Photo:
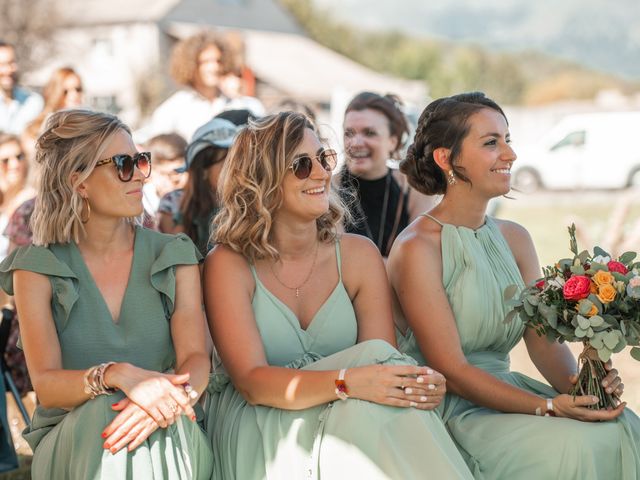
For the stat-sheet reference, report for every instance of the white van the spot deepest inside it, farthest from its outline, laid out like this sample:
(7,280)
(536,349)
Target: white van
(595,150)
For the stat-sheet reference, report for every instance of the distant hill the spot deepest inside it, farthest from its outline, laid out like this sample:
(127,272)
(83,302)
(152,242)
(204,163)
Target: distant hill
(601,34)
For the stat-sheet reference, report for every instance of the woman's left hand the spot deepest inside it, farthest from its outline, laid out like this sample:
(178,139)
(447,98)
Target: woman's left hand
(130,428)
(612,382)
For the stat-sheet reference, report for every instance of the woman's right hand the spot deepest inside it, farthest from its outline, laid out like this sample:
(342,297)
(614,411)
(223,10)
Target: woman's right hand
(397,385)
(161,395)
(565,405)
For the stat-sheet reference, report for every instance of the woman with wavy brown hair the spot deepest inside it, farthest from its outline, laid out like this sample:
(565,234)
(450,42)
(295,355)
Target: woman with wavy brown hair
(198,65)
(308,379)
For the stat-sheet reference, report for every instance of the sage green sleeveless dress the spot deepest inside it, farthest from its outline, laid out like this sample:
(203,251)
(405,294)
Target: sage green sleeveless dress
(67,444)
(476,268)
(339,440)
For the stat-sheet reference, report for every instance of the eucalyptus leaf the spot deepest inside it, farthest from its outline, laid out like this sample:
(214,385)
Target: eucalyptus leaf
(510,292)
(510,316)
(597,251)
(552,319)
(584,307)
(583,322)
(622,344)
(597,341)
(604,354)
(577,270)
(596,321)
(580,333)
(528,308)
(635,353)
(533,300)
(627,257)
(619,277)
(611,340)
(583,256)
(590,332)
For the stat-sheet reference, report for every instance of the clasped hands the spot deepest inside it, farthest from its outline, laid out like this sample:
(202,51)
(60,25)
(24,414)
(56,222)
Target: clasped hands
(566,405)
(153,400)
(397,385)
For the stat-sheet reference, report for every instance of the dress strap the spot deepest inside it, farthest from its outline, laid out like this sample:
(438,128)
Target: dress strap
(432,218)
(339,259)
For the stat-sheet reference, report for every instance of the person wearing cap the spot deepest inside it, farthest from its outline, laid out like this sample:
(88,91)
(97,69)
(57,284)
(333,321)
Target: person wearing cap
(191,208)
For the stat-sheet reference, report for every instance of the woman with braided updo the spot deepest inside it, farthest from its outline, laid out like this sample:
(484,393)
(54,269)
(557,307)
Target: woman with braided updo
(375,130)
(448,270)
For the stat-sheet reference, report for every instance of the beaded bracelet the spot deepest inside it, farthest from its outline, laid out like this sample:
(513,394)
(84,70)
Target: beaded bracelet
(94,384)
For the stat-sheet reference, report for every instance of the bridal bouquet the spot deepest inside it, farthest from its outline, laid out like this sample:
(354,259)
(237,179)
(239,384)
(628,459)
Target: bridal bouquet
(590,298)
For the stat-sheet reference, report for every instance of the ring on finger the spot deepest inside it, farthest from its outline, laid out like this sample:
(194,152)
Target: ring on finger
(173,407)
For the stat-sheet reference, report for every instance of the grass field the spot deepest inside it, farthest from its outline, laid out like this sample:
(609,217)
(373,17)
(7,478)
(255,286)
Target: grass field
(546,215)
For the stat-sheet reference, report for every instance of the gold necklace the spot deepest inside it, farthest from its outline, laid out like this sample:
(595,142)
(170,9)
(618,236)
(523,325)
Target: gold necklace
(306,279)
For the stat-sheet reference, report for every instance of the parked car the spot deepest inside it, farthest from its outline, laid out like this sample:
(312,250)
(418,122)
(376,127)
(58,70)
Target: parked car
(596,150)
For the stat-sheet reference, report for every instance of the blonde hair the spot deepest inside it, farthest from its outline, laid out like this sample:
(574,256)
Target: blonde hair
(251,186)
(73,142)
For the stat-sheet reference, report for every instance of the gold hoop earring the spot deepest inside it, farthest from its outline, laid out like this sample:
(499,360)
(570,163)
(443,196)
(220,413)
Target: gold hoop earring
(451,179)
(85,202)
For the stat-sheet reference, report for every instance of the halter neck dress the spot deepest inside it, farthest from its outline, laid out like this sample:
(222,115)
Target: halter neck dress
(477,266)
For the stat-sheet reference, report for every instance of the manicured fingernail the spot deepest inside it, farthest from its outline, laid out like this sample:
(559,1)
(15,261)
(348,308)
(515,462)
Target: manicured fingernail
(423,399)
(605,383)
(114,404)
(193,418)
(420,379)
(408,391)
(609,390)
(431,386)
(105,445)
(413,404)
(595,399)
(103,435)
(113,450)
(429,371)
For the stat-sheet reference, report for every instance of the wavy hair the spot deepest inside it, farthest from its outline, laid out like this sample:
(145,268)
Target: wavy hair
(184,57)
(73,142)
(251,186)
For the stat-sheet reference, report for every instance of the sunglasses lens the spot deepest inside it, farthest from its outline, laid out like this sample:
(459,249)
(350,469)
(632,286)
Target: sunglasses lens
(328,159)
(143,161)
(125,167)
(302,167)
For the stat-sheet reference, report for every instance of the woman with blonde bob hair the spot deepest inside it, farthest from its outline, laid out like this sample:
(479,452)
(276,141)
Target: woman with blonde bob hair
(301,320)
(108,312)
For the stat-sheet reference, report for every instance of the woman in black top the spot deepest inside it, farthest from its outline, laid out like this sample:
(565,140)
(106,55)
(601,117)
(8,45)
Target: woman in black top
(382,202)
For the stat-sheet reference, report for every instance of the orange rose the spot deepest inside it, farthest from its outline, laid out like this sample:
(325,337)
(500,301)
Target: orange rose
(602,278)
(606,293)
(594,288)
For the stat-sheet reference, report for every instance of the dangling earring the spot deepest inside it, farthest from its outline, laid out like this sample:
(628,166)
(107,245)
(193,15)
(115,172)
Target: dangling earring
(85,202)
(451,179)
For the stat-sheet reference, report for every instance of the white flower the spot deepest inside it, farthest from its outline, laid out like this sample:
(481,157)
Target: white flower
(601,259)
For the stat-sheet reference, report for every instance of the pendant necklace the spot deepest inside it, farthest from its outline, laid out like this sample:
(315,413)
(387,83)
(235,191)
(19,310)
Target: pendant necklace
(306,279)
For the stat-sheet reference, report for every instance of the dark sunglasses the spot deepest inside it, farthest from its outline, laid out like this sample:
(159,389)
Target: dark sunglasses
(125,164)
(303,164)
(5,161)
(74,89)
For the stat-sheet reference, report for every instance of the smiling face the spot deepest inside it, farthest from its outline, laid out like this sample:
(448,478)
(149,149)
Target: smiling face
(13,166)
(306,199)
(209,67)
(8,69)
(72,92)
(368,143)
(108,196)
(486,156)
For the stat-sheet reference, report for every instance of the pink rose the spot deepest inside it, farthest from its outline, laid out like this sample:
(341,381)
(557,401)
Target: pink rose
(577,288)
(540,284)
(614,266)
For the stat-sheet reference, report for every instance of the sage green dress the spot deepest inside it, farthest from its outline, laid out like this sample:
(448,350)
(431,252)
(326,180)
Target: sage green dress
(67,444)
(476,268)
(339,440)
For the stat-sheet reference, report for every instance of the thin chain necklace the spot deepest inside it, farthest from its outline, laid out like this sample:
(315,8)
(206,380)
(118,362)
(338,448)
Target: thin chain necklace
(306,279)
